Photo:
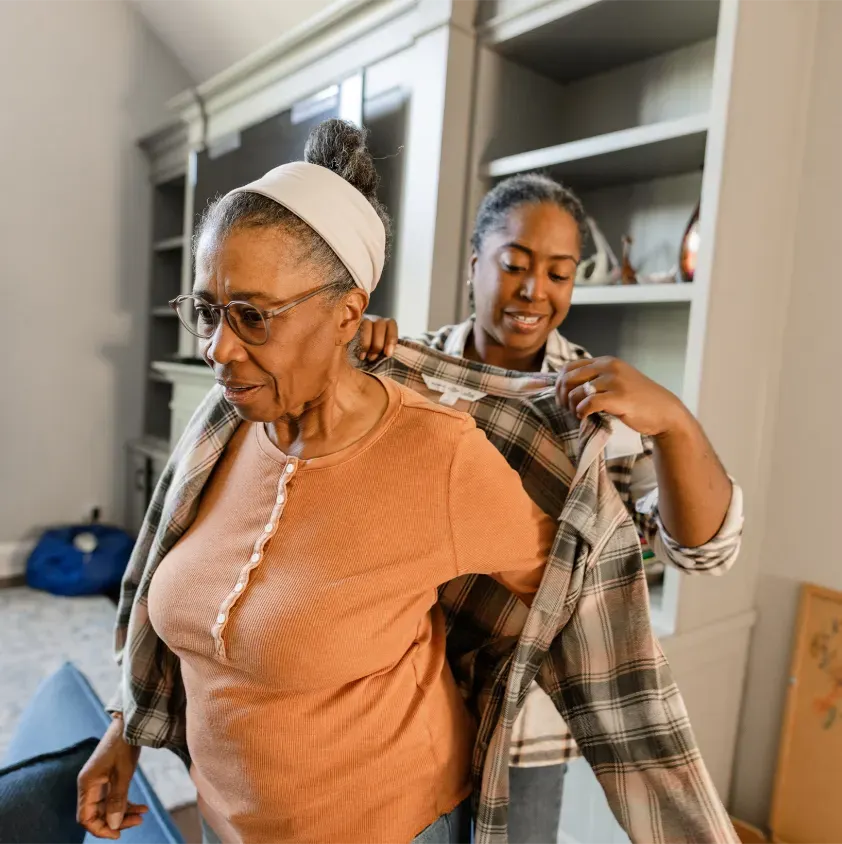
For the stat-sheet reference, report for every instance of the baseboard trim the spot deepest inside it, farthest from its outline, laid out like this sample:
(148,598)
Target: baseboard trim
(13,556)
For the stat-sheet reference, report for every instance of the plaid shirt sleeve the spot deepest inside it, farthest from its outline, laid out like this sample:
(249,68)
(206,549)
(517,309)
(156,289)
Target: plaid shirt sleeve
(151,694)
(615,690)
(636,482)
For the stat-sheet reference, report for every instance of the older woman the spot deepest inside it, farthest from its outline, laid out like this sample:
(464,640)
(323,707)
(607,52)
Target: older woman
(285,629)
(527,243)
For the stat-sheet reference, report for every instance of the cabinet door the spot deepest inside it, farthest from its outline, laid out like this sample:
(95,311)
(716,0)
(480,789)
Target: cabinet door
(186,398)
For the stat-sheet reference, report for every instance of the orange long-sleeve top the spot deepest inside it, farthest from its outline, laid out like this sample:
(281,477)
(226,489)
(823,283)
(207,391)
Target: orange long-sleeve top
(302,603)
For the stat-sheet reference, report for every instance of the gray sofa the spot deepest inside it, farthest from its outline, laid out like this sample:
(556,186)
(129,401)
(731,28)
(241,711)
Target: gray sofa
(64,711)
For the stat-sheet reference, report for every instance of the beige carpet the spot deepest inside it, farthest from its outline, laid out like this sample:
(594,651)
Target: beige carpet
(40,633)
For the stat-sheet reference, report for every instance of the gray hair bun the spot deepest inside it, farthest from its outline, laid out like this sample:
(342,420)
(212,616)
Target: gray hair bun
(339,146)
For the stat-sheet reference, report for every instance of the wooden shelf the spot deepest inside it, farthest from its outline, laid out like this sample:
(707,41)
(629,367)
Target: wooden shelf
(631,155)
(574,39)
(164,311)
(632,294)
(169,244)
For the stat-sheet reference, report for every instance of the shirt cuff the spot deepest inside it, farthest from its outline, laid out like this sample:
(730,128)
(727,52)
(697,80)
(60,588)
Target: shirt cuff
(115,704)
(716,556)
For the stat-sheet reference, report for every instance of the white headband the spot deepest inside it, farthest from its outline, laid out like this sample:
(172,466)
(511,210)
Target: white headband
(335,209)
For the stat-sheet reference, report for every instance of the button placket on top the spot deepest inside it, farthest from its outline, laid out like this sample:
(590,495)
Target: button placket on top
(255,559)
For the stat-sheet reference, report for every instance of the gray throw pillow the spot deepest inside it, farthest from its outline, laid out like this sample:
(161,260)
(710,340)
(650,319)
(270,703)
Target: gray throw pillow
(38,797)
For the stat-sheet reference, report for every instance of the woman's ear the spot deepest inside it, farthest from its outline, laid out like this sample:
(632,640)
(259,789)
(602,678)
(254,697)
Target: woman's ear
(472,270)
(350,310)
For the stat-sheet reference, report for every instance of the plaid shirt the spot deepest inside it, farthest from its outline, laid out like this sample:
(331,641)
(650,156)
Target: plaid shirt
(540,737)
(606,673)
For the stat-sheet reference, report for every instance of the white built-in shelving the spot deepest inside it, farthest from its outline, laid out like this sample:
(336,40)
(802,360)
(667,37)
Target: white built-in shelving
(656,150)
(567,40)
(611,98)
(632,294)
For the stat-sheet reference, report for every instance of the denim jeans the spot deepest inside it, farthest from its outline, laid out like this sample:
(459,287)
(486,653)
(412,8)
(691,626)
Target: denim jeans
(453,828)
(535,804)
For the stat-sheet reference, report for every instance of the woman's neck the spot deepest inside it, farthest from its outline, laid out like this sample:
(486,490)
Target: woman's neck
(346,410)
(483,348)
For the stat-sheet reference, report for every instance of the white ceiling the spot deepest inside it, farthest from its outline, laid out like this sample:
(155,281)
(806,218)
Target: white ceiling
(207,36)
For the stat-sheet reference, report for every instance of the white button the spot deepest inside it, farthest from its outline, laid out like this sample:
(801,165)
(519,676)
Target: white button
(269,527)
(238,587)
(280,499)
(220,618)
(290,468)
(255,558)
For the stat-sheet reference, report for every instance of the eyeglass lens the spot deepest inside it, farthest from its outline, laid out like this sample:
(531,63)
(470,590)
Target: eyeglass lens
(201,320)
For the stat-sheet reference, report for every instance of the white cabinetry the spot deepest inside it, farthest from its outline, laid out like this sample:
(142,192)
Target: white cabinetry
(628,100)
(191,383)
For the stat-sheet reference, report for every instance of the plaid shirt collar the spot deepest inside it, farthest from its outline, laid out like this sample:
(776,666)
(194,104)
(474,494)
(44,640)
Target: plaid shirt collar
(606,674)
(558,351)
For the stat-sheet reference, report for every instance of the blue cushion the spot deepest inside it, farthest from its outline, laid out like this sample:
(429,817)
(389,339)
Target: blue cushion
(64,711)
(38,797)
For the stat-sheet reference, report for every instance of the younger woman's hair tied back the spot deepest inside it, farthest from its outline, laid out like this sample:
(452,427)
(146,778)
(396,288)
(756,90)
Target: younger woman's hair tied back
(525,189)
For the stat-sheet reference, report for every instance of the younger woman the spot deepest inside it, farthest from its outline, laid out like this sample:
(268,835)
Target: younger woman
(527,245)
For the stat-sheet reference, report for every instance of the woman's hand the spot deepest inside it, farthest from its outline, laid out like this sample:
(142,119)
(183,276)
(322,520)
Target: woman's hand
(378,336)
(103,806)
(608,385)
(693,490)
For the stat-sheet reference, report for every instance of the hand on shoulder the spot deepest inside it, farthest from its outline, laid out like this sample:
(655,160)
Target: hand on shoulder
(378,336)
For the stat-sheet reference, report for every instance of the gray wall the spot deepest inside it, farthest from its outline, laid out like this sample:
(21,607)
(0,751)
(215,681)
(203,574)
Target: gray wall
(80,83)
(803,502)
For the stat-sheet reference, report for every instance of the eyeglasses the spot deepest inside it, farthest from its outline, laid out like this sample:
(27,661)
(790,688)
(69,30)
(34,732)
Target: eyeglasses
(249,323)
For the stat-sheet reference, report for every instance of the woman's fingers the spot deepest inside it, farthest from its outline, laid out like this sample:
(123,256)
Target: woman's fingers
(117,802)
(134,815)
(384,337)
(137,809)
(598,403)
(378,336)
(573,365)
(364,339)
(378,339)
(602,386)
(606,373)
(91,793)
(115,805)
(574,375)
(99,828)
(391,337)
(91,815)
(130,821)
(571,391)
(103,786)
